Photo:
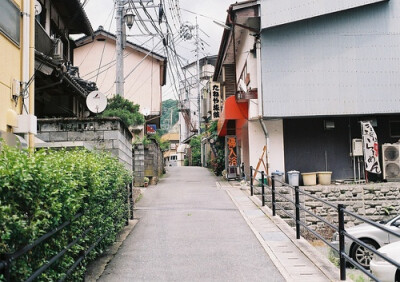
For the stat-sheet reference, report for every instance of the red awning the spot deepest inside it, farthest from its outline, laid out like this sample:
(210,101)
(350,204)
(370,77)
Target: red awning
(232,111)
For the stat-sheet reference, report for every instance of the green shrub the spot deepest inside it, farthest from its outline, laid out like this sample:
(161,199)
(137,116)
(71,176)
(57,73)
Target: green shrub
(127,111)
(42,190)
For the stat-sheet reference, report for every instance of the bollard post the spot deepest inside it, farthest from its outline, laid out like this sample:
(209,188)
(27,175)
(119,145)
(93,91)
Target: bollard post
(251,181)
(297,201)
(341,242)
(273,195)
(262,188)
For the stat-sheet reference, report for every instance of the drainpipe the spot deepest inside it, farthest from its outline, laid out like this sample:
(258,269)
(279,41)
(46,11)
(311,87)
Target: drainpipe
(28,66)
(25,49)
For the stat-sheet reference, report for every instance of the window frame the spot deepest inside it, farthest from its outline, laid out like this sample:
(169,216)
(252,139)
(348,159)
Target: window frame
(16,41)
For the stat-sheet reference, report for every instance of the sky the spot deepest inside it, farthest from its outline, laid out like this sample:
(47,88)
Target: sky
(100,12)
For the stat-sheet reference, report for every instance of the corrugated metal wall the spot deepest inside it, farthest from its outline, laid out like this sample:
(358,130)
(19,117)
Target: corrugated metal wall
(345,63)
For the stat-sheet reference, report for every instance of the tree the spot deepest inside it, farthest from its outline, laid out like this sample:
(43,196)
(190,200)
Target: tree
(195,144)
(127,111)
(169,109)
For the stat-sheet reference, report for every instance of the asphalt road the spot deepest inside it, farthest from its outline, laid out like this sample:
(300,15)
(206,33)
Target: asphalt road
(189,230)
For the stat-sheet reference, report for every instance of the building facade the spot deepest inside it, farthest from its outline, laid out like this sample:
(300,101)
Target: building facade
(16,69)
(145,71)
(324,70)
(190,96)
(237,72)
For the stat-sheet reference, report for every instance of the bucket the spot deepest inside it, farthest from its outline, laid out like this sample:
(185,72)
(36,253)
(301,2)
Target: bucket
(309,178)
(324,177)
(293,177)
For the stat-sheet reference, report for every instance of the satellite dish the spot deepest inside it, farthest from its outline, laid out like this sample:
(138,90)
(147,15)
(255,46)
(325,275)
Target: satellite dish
(96,102)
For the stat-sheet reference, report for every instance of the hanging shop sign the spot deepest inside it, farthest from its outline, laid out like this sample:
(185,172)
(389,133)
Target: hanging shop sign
(151,128)
(371,148)
(231,156)
(215,100)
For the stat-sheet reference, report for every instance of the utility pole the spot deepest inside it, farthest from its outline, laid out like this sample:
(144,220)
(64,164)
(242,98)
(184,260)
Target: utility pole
(198,74)
(198,90)
(121,18)
(119,79)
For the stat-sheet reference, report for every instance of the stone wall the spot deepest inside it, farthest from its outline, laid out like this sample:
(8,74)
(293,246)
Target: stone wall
(375,201)
(108,134)
(148,161)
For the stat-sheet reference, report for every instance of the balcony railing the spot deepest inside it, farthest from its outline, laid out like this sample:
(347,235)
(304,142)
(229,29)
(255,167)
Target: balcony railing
(43,42)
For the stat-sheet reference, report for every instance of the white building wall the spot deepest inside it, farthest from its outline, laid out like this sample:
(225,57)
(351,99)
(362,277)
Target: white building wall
(276,153)
(275,148)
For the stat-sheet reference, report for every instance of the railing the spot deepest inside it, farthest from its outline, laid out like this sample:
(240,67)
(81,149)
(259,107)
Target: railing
(7,259)
(344,258)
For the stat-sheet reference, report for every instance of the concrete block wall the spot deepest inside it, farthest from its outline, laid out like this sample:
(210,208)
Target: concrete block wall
(148,161)
(108,134)
(138,167)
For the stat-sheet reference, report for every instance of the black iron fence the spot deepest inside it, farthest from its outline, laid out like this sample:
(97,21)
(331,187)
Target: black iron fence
(6,260)
(344,258)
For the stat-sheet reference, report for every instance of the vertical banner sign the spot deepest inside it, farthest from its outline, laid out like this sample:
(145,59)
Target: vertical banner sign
(231,156)
(215,100)
(370,147)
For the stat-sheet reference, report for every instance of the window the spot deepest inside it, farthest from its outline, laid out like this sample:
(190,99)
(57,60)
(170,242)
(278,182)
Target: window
(394,128)
(10,20)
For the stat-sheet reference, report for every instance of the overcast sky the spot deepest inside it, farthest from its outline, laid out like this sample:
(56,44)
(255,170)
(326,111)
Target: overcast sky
(100,12)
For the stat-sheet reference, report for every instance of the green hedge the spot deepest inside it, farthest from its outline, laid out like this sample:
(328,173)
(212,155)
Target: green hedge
(42,190)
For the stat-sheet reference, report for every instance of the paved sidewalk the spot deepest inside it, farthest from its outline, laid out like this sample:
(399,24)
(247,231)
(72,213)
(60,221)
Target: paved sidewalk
(297,260)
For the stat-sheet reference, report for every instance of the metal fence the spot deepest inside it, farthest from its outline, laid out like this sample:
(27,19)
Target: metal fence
(6,260)
(344,258)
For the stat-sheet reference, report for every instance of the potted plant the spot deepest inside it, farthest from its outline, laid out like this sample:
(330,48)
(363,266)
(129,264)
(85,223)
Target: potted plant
(146,181)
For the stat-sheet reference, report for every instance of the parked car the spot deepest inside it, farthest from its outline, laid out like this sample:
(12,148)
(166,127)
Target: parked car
(371,236)
(383,270)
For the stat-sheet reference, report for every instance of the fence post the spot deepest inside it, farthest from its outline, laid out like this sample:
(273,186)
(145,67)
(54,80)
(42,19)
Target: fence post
(341,242)
(251,181)
(6,263)
(273,195)
(132,203)
(129,206)
(262,189)
(297,201)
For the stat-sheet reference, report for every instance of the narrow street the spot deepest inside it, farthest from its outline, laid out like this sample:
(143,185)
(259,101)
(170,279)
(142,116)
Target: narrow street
(189,230)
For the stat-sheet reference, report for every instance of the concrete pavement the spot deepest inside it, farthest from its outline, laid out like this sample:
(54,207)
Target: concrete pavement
(191,229)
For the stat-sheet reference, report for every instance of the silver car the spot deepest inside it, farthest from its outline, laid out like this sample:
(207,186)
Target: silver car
(370,235)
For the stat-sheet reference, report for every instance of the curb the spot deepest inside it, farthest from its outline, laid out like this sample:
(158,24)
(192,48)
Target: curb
(322,263)
(96,268)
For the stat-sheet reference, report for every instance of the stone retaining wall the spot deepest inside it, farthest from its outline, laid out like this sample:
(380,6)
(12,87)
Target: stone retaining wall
(375,201)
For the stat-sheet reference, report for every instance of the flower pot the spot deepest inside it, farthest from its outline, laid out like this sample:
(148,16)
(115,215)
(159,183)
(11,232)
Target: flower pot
(146,184)
(309,178)
(324,177)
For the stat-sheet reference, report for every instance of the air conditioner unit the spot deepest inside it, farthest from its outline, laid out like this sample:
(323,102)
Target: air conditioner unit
(58,50)
(391,162)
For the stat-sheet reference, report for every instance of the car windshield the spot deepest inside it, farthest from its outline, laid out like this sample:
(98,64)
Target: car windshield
(386,221)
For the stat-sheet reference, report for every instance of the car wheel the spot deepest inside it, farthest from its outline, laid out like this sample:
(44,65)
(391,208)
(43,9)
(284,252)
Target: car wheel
(362,255)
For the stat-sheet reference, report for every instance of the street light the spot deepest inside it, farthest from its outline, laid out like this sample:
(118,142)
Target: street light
(129,17)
